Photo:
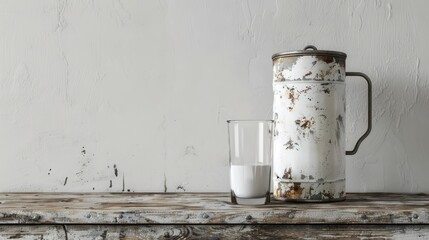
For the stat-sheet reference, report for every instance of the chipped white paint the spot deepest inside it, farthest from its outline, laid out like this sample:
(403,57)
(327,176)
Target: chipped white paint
(310,68)
(120,78)
(23,232)
(309,106)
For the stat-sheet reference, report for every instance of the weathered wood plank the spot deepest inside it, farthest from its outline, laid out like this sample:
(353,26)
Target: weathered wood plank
(88,232)
(32,232)
(206,208)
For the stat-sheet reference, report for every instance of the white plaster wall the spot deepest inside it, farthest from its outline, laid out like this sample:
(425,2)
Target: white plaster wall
(146,86)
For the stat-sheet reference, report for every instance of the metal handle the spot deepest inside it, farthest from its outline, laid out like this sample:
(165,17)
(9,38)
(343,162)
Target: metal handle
(368,130)
(310,47)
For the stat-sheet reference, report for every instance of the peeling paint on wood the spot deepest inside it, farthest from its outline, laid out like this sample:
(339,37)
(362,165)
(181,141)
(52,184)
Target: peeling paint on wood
(192,215)
(249,232)
(90,232)
(206,208)
(49,232)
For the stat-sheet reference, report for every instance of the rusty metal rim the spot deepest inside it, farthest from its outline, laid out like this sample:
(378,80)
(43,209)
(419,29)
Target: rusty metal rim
(314,181)
(307,82)
(309,53)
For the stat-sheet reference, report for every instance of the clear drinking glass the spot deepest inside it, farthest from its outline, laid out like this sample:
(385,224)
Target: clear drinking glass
(250,157)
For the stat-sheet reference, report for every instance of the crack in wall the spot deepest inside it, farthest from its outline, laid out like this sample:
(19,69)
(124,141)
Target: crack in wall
(61,21)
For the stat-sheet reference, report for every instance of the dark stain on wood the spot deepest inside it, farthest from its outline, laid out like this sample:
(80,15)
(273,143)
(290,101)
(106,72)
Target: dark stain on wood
(21,218)
(66,237)
(16,236)
(39,232)
(122,234)
(104,235)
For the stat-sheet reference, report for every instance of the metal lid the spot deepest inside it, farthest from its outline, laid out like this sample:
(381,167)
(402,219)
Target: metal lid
(312,52)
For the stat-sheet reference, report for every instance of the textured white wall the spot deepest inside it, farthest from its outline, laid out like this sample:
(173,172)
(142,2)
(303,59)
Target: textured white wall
(145,87)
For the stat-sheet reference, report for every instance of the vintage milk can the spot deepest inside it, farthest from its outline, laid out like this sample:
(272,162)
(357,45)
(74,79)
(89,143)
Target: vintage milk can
(309,114)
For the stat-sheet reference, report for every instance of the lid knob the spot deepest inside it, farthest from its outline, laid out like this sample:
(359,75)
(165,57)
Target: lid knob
(310,47)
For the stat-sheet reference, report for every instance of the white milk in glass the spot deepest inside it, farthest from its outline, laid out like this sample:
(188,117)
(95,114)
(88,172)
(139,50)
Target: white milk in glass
(250,181)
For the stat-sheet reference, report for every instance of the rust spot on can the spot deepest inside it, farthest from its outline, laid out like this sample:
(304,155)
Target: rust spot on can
(305,123)
(292,95)
(295,191)
(327,59)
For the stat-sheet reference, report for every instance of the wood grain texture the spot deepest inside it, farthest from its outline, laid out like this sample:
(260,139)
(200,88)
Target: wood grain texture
(134,232)
(27,232)
(206,208)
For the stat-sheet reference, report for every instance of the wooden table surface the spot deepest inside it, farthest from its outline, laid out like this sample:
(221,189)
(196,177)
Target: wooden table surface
(208,215)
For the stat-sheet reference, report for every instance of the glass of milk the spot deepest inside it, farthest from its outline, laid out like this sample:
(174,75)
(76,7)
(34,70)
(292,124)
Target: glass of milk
(250,156)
